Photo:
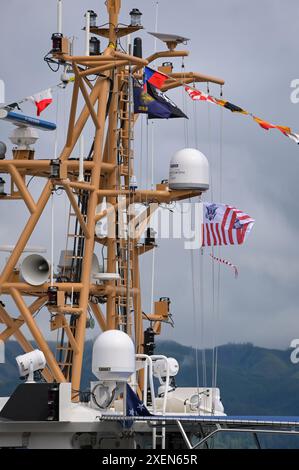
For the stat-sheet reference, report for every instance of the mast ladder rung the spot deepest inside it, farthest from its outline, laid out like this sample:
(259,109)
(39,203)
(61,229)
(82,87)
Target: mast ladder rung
(63,348)
(73,235)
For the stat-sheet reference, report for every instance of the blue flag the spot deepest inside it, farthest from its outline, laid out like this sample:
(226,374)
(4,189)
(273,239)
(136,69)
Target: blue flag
(135,407)
(154,103)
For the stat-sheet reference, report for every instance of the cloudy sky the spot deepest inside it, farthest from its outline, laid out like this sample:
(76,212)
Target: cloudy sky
(253,46)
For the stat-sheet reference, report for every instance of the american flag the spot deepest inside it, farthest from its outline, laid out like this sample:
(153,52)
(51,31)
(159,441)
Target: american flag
(224,225)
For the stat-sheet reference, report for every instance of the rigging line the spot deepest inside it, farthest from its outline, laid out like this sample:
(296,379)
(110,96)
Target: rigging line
(218,312)
(66,233)
(200,334)
(213,267)
(152,155)
(147,152)
(141,151)
(128,280)
(65,116)
(186,123)
(52,240)
(194,318)
(195,121)
(153,280)
(156,25)
(132,278)
(217,323)
(186,137)
(57,339)
(202,318)
(214,321)
(211,189)
(221,156)
(153,250)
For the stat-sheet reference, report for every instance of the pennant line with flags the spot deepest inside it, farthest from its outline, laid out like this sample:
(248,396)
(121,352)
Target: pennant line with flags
(197,95)
(41,99)
(228,263)
(154,77)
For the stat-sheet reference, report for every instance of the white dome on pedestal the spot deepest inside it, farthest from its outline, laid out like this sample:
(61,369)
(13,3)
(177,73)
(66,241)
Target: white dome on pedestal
(189,169)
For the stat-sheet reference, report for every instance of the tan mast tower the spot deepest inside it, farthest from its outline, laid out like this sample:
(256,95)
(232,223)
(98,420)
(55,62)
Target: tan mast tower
(106,175)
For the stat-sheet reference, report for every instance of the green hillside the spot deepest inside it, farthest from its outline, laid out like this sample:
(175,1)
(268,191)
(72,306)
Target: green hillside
(252,380)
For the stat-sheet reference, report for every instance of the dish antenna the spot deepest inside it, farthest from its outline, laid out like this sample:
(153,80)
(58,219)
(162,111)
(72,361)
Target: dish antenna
(171,40)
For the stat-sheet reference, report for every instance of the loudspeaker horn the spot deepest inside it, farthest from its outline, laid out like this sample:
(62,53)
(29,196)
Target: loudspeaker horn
(35,270)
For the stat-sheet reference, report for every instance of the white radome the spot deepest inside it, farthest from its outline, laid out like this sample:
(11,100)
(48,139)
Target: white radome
(23,137)
(113,356)
(189,169)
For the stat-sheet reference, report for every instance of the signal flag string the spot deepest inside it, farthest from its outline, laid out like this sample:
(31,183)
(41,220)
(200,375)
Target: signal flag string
(41,99)
(157,79)
(228,263)
(197,95)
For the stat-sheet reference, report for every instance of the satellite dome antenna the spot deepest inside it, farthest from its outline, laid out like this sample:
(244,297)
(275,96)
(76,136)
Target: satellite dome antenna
(171,40)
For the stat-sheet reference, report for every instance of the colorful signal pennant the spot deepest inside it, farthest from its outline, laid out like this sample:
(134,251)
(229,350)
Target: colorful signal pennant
(228,263)
(197,95)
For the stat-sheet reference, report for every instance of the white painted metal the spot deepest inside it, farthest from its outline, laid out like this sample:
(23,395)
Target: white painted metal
(31,362)
(189,169)
(35,270)
(59,16)
(113,356)
(87,32)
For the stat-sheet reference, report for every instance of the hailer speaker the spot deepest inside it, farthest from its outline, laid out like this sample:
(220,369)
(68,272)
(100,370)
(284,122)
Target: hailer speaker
(35,270)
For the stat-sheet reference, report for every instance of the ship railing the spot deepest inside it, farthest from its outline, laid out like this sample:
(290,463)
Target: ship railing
(149,376)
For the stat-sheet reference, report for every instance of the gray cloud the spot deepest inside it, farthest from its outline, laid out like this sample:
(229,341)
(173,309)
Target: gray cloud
(253,46)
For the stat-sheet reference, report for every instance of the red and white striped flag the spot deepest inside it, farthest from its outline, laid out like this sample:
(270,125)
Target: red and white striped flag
(197,95)
(41,100)
(228,263)
(224,225)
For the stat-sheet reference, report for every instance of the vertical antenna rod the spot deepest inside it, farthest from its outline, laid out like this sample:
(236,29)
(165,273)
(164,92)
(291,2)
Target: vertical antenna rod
(128,299)
(81,159)
(59,16)
(87,32)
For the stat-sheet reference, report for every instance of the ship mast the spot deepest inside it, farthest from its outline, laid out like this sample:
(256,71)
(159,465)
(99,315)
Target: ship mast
(106,177)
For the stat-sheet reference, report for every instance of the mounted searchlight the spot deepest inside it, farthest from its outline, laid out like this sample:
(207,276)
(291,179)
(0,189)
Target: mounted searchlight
(31,362)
